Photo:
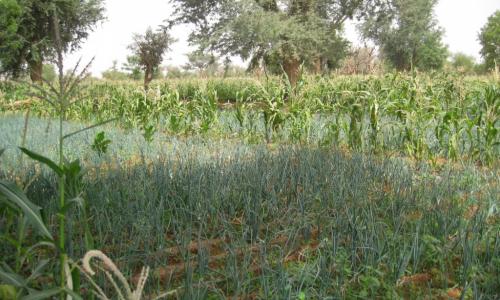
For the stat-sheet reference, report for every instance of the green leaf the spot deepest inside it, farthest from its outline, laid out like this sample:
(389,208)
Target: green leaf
(73,168)
(75,277)
(7,291)
(12,278)
(2,151)
(13,194)
(39,245)
(46,161)
(101,143)
(302,296)
(37,295)
(73,294)
(38,271)
(78,201)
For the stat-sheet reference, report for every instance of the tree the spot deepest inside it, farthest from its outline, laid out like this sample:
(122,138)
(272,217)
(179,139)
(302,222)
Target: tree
(26,32)
(295,31)
(407,34)
(490,41)
(133,67)
(149,49)
(463,63)
(361,60)
(337,49)
(202,63)
(232,70)
(113,73)
(175,72)
(49,72)
(10,44)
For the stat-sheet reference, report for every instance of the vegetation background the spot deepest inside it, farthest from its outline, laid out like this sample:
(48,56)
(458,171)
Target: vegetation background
(321,171)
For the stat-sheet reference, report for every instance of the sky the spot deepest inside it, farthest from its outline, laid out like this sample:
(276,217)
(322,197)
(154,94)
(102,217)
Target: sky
(461,19)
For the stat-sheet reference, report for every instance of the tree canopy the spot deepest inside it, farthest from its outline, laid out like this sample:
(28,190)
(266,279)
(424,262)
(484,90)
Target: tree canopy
(294,31)
(203,63)
(463,63)
(149,49)
(26,31)
(407,33)
(133,67)
(113,73)
(490,40)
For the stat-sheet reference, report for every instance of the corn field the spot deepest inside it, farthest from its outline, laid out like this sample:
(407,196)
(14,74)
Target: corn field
(340,188)
(424,117)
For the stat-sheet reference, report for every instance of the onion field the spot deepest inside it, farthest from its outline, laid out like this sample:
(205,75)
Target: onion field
(345,187)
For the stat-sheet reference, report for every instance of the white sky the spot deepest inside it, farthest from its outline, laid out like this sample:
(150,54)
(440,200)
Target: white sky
(461,20)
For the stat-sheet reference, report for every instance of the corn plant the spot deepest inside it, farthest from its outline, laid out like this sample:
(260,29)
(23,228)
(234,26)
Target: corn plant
(355,127)
(60,97)
(273,111)
(300,123)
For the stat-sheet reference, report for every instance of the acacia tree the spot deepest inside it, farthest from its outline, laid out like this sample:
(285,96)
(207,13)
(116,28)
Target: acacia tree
(26,31)
(202,63)
(407,33)
(149,49)
(133,67)
(294,31)
(490,40)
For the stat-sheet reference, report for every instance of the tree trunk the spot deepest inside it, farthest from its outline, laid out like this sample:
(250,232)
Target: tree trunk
(148,77)
(36,70)
(318,63)
(292,68)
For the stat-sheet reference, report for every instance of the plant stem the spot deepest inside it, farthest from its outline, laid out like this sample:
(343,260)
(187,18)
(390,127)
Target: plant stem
(62,201)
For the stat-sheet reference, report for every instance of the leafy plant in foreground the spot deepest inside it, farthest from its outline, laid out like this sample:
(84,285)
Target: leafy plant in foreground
(60,97)
(100,144)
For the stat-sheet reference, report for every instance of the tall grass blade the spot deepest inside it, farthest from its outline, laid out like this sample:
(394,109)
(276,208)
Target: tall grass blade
(14,195)
(46,161)
(12,278)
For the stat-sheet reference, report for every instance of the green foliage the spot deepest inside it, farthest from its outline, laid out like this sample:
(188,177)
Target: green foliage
(27,36)
(293,32)
(7,291)
(49,72)
(336,188)
(149,49)
(149,132)
(407,34)
(175,72)
(10,45)
(44,160)
(424,116)
(10,192)
(114,74)
(68,173)
(202,63)
(230,90)
(133,67)
(490,41)
(101,143)
(463,63)
(375,222)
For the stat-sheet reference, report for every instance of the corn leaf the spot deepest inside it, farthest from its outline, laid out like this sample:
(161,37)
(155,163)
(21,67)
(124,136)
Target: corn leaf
(13,194)
(37,295)
(46,161)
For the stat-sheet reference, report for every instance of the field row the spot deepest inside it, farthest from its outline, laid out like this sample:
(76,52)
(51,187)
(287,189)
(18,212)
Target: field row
(425,117)
(234,220)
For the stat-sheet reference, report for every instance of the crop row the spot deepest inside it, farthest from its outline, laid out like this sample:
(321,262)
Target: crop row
(427,117)
(281,223)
